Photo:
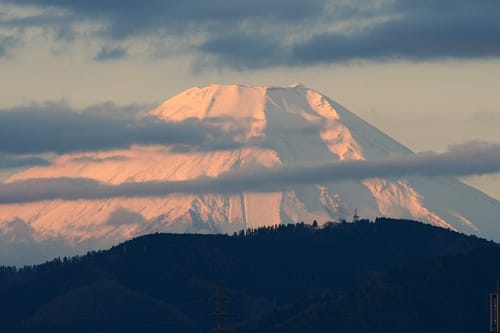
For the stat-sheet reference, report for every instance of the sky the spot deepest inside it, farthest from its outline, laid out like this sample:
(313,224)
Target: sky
(425,72)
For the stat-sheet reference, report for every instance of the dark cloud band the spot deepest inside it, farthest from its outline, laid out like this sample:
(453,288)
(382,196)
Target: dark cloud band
(471,159)
(246,34)
(12,162)
(56,128)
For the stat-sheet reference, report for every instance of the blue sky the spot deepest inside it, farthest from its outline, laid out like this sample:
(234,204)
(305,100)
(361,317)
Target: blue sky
(425,72)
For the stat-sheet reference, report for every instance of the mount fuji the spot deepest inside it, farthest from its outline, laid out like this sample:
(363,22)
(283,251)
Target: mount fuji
(272,127)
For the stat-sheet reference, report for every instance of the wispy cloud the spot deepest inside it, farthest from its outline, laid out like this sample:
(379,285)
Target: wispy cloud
(469,159)
(113,53)
(93,159)
(6,42)
(3,48)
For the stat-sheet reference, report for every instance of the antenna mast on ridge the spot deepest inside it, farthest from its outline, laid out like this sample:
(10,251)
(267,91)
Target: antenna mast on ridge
(355,217)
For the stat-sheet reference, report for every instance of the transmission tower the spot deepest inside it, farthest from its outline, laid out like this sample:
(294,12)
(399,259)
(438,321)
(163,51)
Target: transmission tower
(220,314)
(494,325)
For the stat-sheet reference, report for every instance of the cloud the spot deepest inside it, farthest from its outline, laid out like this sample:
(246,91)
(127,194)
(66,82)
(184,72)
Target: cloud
(244,34)
(469,159)
(13,161)
(421,31)
(6,42)
(122,216)
(122,19)
(59,129)
(244,50)
(17,230)
(107,53)
(411,30)
(3,48)
(21,245)
(93,159)
(486,118)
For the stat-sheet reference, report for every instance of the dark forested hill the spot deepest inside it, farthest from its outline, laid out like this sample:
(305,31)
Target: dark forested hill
(384,276)
(446,294)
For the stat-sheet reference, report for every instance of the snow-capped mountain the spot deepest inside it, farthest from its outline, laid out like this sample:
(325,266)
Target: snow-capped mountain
(274,126)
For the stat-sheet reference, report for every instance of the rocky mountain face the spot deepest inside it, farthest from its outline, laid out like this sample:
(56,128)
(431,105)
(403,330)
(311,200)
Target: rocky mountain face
(270,127)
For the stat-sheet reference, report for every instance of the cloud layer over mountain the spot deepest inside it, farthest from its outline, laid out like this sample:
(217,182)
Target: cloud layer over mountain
(57,128)
(464,160)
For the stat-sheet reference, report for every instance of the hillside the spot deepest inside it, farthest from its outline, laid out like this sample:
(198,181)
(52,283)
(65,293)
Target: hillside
(277,278)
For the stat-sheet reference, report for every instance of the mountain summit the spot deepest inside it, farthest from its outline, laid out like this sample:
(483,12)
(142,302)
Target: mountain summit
(270,126)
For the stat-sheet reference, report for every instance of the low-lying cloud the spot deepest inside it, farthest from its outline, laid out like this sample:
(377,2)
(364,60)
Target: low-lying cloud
(13,161)
(21,245)
(56,128)
(464,160)
(122,216)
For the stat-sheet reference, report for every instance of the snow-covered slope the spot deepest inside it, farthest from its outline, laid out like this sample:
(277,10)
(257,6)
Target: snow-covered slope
(283,126)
